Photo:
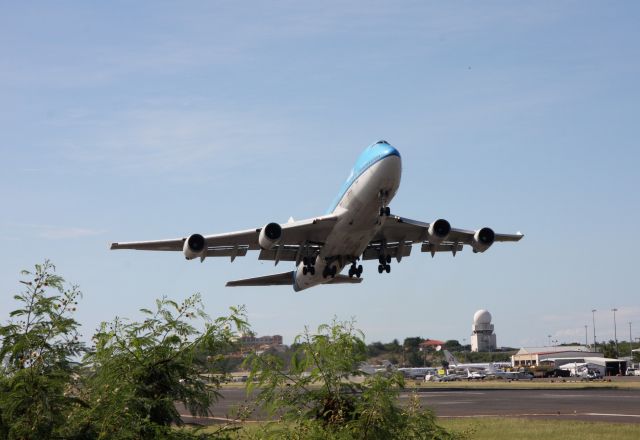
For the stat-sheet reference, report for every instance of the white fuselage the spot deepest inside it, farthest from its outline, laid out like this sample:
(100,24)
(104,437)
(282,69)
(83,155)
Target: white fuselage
(359,220)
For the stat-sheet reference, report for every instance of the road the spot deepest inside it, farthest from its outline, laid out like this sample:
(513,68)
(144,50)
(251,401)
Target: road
(612,405)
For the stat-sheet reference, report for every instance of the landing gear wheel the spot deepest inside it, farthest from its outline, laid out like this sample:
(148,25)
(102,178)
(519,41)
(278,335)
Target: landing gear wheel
(388,259)
(304,270)
(387,268)
(359,272)
(380,268)
(387,211)
(312,270)
(334,270)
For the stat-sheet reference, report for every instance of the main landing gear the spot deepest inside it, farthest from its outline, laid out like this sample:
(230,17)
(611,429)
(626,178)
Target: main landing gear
(329,271)
(384,265)
(355,270)
(309,266)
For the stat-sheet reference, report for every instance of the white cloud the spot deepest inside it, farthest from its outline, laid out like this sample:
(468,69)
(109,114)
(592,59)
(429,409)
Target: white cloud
(171,140)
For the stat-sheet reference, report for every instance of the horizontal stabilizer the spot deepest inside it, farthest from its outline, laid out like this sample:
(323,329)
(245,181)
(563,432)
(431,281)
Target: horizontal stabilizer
(286,279)
(279,279)
(343,279)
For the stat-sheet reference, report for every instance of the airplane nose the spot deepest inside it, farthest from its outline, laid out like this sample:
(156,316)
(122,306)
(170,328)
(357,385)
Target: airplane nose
(392,151)
(387,149)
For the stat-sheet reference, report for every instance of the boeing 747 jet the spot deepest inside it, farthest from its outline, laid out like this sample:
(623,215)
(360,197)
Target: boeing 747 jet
(358,226)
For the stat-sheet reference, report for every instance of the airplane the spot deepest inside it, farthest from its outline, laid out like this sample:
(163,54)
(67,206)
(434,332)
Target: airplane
(488,366)
(471,375)
(357,226)
(508,375)
(586,370)
(417,372)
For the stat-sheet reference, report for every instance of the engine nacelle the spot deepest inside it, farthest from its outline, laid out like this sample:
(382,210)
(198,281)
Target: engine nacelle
(438,231)
(270,236)
(194,247)
(482,239)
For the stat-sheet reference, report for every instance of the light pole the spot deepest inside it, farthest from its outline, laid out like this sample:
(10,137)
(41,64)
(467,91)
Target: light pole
(586,341)
(630,342)
(549,336)
(593,315)
(615,331)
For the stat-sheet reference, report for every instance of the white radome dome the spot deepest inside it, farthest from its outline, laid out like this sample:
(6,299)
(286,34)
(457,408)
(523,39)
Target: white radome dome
(482,317)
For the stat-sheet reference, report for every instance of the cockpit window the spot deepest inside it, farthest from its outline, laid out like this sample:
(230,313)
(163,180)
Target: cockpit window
(382,142)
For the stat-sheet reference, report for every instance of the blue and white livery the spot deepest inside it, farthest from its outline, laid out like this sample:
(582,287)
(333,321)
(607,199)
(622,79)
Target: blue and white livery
(358,226)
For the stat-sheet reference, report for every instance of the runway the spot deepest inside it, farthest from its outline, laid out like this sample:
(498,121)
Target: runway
(611,405)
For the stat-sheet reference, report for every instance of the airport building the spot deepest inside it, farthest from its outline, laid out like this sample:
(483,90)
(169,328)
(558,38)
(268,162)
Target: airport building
(430,344)
(562,355)
(534,356)
(253,340)
(482,336)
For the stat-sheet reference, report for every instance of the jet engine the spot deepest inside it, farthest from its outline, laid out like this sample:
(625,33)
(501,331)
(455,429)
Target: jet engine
(194,247)
(270,236)
(438,231)
(482,239)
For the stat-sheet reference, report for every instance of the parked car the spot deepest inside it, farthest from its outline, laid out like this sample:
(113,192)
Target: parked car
(633,372)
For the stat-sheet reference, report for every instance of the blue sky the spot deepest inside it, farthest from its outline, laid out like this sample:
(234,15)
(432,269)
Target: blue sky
(145,120)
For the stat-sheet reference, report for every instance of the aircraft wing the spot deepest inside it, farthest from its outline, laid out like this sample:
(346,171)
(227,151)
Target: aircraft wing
(310,234)
(398,234)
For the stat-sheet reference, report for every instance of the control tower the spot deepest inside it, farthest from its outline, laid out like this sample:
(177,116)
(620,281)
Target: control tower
(482,336)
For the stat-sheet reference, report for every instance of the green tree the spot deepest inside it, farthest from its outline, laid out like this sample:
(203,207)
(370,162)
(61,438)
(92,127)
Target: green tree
(38,353)
(393,346)
(140,369)
(452,345)
(324,395)
(412,343)
(375,349)
(609,349)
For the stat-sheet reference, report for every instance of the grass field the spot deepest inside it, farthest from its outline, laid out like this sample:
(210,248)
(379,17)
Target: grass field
(524,429)
(489,428)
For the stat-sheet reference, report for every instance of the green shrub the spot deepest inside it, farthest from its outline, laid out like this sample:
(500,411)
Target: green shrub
(37,358)
(324,394)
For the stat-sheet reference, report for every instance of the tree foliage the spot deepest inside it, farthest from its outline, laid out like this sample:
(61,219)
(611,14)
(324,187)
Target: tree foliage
(141,369)
(127,385)
(321,397)
(38,353)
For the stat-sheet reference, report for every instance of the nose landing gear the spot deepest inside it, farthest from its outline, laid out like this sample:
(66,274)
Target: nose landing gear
(383,195)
